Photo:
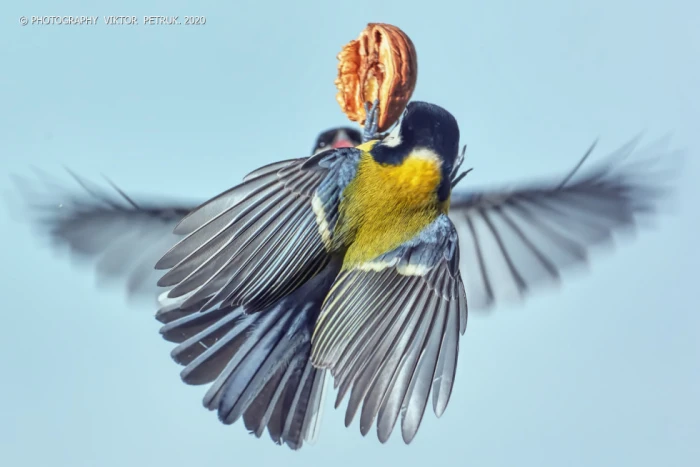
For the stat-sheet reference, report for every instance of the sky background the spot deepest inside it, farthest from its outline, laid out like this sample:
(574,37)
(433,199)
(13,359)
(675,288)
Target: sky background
(604,371)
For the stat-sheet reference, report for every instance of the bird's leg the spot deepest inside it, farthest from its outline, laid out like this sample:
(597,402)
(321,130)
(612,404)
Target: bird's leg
(371,121)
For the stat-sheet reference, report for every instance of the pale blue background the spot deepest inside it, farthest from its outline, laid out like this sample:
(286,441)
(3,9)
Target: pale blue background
(605,372)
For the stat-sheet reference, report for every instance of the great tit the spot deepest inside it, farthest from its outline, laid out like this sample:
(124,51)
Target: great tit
(342,137)
(359,262)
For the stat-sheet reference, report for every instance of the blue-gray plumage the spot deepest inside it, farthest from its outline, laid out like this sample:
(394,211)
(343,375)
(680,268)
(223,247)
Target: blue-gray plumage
(358,262)
(224,347)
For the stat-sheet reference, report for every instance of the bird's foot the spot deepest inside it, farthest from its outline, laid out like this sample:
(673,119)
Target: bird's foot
(371,121)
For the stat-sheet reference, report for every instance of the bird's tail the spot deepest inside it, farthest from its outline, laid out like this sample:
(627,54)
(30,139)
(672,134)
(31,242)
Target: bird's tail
(258,364)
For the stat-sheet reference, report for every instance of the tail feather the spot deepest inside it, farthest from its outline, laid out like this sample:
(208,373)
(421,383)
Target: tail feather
(258,364)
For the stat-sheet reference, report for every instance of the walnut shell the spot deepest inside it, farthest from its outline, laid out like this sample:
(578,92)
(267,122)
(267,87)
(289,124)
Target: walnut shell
(380,64)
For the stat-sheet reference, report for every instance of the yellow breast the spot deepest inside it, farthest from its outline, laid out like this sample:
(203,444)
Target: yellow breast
(386,205)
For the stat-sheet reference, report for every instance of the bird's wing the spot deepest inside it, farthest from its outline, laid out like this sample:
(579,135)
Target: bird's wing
(245,293)
(121,236)
(514,240)
(257,242)
(256,365)
(389,331)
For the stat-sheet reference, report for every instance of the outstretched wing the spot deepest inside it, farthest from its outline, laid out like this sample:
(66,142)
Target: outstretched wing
(389,331)
(513,240)
(122,236)
(259,241)
(246,284)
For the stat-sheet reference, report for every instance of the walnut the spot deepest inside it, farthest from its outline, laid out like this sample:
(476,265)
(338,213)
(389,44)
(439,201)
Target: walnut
(380,64)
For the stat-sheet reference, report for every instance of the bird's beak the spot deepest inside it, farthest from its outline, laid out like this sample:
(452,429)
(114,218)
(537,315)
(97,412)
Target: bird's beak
(342,140)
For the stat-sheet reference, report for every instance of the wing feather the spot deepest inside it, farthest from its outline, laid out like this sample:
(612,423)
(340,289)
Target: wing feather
(121,237)
(388,332)
(257,366)
(512,241)
(247,283)
(227,258)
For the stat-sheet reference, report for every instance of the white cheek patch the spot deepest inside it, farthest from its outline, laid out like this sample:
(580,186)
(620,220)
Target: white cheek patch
(393,139)
(426,154)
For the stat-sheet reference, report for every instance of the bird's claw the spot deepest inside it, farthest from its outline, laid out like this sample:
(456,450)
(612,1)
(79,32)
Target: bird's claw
(371,121)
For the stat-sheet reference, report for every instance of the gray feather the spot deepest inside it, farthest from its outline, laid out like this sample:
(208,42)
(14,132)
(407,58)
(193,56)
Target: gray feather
(512,241)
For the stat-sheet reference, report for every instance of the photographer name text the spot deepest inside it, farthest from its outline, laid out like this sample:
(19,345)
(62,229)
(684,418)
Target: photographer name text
(113,20)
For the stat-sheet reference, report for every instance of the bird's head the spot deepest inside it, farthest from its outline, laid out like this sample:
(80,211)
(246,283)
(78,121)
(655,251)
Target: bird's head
(427,131)
(343,137)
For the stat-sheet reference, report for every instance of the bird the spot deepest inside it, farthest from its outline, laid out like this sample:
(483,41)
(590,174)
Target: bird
(338,137)
(358,265)
(121,236)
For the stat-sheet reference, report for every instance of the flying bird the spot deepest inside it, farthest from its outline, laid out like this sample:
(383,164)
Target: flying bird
(359,262)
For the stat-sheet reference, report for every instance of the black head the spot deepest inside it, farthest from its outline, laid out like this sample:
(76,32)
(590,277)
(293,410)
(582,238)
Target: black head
(337,138)
(423,125)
